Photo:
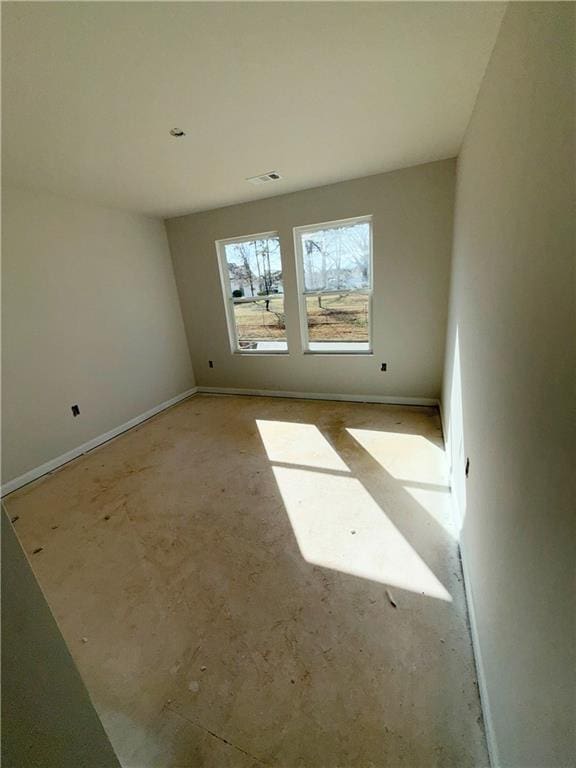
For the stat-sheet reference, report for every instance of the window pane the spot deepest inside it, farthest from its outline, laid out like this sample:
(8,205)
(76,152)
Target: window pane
(337,258)
(254,267)
(255,271)
(261,325)
(338,322)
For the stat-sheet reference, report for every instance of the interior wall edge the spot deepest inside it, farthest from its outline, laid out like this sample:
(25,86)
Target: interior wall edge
(59,461)
(487,716)
(470,605)
(489,730)
(48,716)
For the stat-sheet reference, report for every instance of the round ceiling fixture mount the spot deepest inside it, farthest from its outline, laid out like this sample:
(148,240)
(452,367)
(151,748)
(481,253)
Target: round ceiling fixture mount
(177,132)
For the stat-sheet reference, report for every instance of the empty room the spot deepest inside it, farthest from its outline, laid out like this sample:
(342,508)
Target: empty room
(288,384)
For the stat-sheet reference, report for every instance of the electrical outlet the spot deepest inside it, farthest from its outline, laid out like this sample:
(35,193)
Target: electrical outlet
(75,410)
(384,367)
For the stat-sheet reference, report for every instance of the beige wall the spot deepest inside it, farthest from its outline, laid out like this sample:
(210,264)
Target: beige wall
(90,316)
(48,719)
(412,218)
(513,309)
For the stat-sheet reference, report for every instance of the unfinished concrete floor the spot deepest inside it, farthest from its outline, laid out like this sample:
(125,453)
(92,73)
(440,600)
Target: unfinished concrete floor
(225,575)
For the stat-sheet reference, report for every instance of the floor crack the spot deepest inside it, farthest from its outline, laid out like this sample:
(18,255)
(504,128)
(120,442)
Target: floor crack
(217,736)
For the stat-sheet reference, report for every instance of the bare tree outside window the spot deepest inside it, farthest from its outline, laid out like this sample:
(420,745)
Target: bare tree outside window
(336,282)
(252,273)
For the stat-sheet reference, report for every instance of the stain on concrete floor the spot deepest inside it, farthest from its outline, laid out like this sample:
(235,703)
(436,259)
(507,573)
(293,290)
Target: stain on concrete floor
(222,575)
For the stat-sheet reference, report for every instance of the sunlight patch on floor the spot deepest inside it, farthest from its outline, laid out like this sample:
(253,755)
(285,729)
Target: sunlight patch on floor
(405,457)
(289,442)
(339,525)
(437,504)
(418,465)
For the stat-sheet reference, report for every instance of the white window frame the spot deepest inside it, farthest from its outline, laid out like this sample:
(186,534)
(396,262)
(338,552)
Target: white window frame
(303,293)
(229,300)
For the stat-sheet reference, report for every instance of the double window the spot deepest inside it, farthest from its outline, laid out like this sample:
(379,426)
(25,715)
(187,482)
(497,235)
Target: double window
(334,275)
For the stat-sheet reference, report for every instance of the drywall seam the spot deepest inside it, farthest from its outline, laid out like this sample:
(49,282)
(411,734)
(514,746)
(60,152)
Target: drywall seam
(50,466)
(386,399)
(480,673)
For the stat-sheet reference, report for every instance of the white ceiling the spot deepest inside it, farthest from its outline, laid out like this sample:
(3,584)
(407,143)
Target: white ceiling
(317,91)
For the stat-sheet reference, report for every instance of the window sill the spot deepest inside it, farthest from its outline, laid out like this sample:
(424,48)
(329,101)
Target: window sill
(259,352)
(339,352)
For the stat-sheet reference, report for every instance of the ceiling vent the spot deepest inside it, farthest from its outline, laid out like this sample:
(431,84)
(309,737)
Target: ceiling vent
(265,178)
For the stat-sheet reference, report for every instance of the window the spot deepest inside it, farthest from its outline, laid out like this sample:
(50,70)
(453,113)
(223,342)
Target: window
(251,272)
(334,263)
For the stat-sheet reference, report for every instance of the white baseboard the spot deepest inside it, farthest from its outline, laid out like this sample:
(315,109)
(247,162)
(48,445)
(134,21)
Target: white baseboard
(50,466)
(386,399)
(491,743)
